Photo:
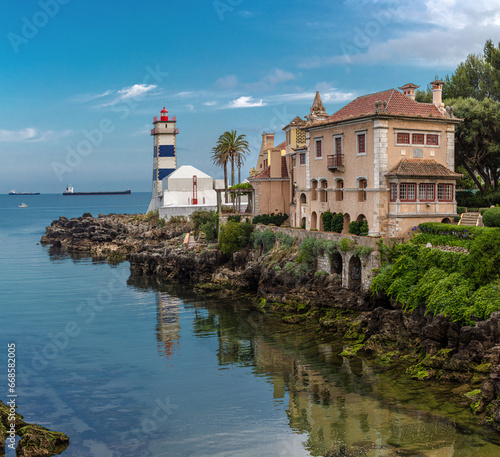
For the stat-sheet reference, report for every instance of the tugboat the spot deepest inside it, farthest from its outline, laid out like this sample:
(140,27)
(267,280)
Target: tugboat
(23,205)
(69,191)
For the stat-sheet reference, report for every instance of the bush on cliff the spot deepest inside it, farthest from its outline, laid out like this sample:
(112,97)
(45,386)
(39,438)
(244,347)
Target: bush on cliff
(202,217)
(263,240)
(491,217)
(234,236)
(457,285)
(333,222)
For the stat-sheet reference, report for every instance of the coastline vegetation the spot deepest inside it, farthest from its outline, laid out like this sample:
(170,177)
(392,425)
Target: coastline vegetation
(464,287)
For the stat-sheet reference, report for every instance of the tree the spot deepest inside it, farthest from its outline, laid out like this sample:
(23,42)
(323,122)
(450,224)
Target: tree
(477,140)
(478,77)
(231,147)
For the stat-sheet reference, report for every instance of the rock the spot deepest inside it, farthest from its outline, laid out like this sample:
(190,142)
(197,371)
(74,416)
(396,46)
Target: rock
(37,441)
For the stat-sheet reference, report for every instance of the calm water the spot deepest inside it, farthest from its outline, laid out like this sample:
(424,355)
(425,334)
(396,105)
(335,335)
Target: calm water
(128,370)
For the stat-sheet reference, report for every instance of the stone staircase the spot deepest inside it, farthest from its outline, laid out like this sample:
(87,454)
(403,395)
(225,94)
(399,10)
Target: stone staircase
(473,218)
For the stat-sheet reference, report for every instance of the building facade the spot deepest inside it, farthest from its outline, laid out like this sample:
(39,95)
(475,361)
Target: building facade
(384,158)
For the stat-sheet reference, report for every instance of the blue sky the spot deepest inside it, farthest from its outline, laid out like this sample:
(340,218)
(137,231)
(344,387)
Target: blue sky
(82,81)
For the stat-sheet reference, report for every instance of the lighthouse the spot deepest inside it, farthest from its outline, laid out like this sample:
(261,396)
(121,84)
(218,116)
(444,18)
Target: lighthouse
(164,154)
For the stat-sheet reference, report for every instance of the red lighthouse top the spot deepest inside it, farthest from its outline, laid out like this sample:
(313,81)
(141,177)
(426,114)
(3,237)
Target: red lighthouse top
(164,115)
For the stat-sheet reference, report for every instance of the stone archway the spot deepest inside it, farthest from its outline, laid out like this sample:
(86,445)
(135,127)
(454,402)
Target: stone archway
(336,263)
(303,223)
(321,226)
(314,220)
(355,271)
(446,220)
(361,218)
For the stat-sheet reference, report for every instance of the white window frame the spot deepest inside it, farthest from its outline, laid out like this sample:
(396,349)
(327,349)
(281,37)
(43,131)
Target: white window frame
(417,145)
(358,134)
(316,141)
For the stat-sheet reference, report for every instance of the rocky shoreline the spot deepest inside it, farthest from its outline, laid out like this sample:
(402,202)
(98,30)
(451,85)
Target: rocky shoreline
(433,349)
(36,441)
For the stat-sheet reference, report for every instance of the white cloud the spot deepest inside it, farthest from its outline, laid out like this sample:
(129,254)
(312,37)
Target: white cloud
(190,107)
(211,103)
(112,97)
(31,135)
(422,32)
(135,91)
(246,102)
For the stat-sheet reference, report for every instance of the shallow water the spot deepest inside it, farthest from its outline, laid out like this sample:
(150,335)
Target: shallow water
(126,369)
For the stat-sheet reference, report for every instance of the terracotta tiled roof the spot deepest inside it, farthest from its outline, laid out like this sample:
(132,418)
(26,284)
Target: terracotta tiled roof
(281,146)
(296,122)
(396,104)
(422,168)
(266,173)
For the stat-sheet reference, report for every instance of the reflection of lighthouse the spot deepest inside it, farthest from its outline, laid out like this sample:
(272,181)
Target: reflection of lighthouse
(168,328)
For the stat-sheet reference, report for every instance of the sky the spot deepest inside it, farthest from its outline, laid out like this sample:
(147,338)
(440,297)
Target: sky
(82,80)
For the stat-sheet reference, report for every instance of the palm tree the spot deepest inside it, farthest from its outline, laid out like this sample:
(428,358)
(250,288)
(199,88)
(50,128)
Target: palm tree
(230,147)
(233,147)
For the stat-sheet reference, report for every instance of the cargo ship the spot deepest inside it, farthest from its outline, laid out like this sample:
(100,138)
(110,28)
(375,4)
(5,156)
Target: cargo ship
(69,191)
(13,192)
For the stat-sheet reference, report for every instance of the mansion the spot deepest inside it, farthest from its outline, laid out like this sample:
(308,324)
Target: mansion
(384,158)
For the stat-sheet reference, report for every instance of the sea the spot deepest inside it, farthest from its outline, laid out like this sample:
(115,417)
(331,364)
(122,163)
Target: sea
(131,367)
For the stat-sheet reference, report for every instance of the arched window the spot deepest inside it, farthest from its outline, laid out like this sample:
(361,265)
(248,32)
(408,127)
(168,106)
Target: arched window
(314,186)
(339,190)
(362,185)
(324,192)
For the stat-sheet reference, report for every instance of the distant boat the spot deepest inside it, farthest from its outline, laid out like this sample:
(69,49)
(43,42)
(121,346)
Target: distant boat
(13,192)
(23,205)
(69,191)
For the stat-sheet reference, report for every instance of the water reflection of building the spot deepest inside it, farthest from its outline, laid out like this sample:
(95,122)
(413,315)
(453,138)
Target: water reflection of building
(168,327)
(337,414)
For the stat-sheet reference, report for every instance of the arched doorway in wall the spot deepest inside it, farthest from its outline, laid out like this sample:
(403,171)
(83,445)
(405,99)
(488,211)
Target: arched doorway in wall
(347,221)
(321,226)
(446,220)
(303,223)
(336,263)
(324,191)
(303,199)
(354,273)
(361,218)
(314,220)
(314,187)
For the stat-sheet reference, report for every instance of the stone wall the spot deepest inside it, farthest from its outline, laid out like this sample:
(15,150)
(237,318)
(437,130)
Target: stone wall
(356,272)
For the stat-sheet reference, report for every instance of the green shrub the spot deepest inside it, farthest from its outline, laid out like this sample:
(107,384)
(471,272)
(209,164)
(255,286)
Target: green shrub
(327,221)
(487,300)
(285,240)
(234,236)
(346,244)
(264,239)
(309,250)
(491,217)
(358,228)
(201,217)
(472,199)
(210,229)
(268,219)
(461,209)
(483,265)
(234,218)
(337,223)
(177,220)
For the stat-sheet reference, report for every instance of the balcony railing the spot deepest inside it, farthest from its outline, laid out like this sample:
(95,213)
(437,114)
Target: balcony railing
(335,161)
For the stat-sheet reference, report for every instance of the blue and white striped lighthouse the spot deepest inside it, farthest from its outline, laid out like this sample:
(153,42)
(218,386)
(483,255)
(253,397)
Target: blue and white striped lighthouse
(164,157)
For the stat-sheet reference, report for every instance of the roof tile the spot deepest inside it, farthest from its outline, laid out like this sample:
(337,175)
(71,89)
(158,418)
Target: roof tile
(422,168)
(396,104)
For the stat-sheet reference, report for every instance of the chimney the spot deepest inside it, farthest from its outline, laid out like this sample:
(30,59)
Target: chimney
(409,90)
(267,142)
(437,93)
